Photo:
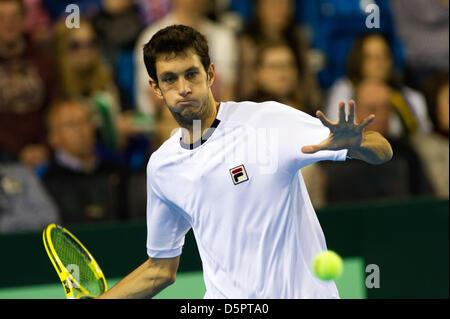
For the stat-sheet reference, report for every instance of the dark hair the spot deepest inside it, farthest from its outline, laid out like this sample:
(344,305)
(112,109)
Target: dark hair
(290,34)
(175,39)
(264,46)
(355,57)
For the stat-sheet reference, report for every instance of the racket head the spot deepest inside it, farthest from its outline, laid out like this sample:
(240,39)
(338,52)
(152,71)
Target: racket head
(76,267)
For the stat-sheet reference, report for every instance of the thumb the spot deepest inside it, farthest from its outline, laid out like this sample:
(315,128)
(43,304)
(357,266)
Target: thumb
(311,149)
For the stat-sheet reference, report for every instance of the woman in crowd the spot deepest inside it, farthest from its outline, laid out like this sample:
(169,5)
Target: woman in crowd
(277,77)
(433,148)
(273,20)
(370,58)
(86,76)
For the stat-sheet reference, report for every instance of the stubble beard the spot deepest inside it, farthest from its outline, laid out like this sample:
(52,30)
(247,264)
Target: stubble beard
(189,118)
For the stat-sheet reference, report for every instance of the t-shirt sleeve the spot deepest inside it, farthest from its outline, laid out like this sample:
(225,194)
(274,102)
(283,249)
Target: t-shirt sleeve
(166,226)
(300,129)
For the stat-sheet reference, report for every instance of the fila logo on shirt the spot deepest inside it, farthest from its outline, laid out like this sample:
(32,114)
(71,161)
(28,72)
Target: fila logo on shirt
(238,174)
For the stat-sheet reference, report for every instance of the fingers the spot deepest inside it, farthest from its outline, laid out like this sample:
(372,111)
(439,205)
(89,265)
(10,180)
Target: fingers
(341,111)
(367,121)
(351,112)
(351,116)
(311,149)
(325,121)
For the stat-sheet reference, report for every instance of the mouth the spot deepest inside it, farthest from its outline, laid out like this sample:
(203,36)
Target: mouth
(187,103)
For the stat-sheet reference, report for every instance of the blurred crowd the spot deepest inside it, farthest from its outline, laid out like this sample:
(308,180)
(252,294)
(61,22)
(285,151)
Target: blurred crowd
(78,120)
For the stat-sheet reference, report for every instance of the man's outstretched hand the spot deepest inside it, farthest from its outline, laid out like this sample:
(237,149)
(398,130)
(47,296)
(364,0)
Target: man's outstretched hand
(369,146)
(344,134)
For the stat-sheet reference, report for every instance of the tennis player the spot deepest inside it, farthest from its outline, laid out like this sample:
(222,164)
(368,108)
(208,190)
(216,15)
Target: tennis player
(232,174)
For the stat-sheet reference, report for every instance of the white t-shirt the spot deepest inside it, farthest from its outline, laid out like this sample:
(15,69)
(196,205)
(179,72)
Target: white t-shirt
(242,193)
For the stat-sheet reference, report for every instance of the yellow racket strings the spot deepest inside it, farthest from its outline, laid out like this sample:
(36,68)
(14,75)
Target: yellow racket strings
(76,261)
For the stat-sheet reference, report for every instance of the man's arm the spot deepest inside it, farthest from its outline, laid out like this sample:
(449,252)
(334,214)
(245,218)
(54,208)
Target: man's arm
(369,146)
(145,281)
(374,149)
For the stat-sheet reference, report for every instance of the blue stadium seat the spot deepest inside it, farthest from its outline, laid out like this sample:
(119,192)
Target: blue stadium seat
(57,8)
(124,73)
(336,24)
(243,7)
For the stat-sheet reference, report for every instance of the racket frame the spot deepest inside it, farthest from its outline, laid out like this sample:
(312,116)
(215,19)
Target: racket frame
(69,282)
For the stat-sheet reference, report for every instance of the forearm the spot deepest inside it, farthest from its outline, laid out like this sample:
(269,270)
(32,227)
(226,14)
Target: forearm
(144,282)
(374,149)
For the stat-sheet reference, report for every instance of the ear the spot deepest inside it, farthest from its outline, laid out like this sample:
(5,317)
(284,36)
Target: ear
(156,88)
(211,74)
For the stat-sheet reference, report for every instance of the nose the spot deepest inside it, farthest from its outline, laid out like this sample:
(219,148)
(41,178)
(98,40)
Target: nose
(183,87)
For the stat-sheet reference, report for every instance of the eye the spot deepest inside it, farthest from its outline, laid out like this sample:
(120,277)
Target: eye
(191,75)
(169,79)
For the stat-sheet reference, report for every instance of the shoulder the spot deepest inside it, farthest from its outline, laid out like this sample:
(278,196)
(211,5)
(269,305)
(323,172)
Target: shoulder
(269,113)
(15,171)
(253,106)
(11,168)
(342,84)
(216,29)
(234,110)
(163,156)
(413,95)
(220,38)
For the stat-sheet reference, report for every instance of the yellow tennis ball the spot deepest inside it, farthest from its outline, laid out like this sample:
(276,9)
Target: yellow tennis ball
(327,265)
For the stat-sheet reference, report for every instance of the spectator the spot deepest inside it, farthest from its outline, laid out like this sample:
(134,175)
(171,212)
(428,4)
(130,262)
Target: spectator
(24,203)
(37,22)
(423,28)
(277,78)
(222,46)
(273,20)
(85,75)
(433,148)
(222,12)
(27,84)
(371,59)
(400,178)
(84,186)
(118,26)
(153,10)
(437,93)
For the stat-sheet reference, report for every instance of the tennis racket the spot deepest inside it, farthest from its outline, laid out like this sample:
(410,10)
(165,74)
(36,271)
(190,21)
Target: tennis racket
(78,271)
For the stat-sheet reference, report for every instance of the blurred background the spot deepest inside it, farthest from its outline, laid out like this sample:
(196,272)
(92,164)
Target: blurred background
(78,123)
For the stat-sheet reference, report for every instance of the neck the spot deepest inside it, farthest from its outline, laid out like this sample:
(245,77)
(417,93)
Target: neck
(272,33)
(193,133)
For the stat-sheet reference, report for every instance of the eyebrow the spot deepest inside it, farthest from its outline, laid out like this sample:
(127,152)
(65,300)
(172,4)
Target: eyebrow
(169,73)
